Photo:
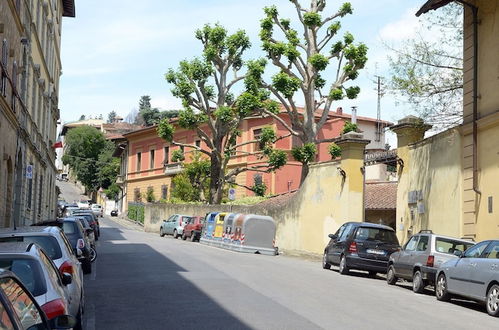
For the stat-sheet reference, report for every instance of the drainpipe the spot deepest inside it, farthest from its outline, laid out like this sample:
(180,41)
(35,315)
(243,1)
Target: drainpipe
(474,10)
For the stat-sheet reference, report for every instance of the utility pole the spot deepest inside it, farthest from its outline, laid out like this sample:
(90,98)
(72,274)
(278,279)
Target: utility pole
(381,93)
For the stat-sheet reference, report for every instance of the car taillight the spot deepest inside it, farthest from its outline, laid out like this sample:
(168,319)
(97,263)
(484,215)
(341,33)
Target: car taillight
(430,261)
(54,308)
(352,248)
(80,244)
(66,267)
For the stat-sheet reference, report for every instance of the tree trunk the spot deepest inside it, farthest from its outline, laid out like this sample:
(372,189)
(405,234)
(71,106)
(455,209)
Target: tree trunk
(216,177)
(304,172)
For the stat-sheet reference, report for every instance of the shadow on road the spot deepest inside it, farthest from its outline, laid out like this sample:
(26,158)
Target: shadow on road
(138,288)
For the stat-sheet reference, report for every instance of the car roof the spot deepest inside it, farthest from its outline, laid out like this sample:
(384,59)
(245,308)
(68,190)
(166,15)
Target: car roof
(447,237)
(30,229)
(15,247)
(370,225)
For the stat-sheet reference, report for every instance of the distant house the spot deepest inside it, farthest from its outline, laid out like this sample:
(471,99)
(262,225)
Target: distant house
(146,158)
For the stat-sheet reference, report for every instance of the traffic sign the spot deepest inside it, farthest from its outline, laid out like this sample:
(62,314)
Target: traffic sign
(232,194)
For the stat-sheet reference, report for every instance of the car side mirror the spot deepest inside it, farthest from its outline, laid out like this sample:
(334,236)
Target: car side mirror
(332,236)
(66,278)
(63,322)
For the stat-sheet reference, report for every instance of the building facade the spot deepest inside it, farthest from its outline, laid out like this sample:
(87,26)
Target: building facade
(30,36)
(146,158)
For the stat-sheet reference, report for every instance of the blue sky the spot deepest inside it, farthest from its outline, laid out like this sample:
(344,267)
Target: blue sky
(117,50)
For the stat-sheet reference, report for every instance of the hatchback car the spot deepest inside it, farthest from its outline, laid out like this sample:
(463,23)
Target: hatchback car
(20,311)
(97,210)
(83,204)
(193,228)
(79,241)
(174,225)
(361,246)
(421,256)
(92,220)
(474,275)
(40,276)
(90,235)
(56,245)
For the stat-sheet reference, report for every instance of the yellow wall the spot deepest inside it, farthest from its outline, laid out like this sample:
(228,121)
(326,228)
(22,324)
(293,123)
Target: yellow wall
(432,166)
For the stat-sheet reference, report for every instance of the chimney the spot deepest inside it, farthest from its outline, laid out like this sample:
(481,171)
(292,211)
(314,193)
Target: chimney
(339,110)
(354,115)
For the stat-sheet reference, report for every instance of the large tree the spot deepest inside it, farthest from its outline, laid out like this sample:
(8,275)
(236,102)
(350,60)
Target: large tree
(212,109)
(427,70)
(83,147)
(314,64)
(149,116)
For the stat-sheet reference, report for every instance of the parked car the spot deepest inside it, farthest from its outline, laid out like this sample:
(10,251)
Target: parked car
(39,275)
(362,246)
(474,275)
(83,204)
(421,256)
(69,209)
(20,310)
(97,210)
(114,213)
(92,220)
(193,228)
(174,225)
(58,248)
(89,231)
(79,241)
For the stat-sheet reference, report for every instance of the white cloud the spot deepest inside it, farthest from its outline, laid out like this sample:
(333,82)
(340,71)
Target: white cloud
(401,29)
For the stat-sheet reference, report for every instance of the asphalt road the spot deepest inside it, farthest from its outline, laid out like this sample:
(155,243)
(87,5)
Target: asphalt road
(143,281)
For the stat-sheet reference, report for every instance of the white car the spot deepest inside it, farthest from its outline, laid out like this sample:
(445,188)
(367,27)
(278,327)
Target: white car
(83,204)
(97,210)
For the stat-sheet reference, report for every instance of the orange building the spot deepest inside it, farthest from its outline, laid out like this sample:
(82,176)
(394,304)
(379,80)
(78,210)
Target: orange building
(146,158)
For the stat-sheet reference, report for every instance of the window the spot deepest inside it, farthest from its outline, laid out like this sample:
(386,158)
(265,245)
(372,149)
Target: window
(30,192)
(167,155)
(3,81)
(339,232)
(198,143)
(164,191)
(24,306)
(139,161)
(346,232)
(446,245)
(151,159)
(136,195)
(257,133)
(48,243)
(40,195)
(28,271)
(492,251)
(422,243)
(411,245)
(476,251)
(5,321)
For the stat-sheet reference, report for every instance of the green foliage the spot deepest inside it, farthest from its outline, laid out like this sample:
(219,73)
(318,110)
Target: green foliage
(334,150)
(336,94)
(178,156)
(165,130)
(259,189)
(349,127)
(136,212)
(312,19)
(318,61)
(248,200)
(108,167)
(192,185)
(277,159)
(112,192)
(346,9)
(352,92)
(111,117)
(305,154)
(285,84)
(84,145)
(149,195)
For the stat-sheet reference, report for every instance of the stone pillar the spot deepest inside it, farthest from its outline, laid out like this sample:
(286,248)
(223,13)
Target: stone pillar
(409,130)
(352,170)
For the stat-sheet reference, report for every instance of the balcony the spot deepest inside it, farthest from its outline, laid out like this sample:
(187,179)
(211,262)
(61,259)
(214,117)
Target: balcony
(172,169)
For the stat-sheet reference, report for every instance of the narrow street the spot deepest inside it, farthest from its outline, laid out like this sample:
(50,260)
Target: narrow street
(143,281)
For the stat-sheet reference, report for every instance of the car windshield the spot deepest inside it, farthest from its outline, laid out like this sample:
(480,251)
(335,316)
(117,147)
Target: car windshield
(28,271)
(48,243)
(376,234)
(447,245)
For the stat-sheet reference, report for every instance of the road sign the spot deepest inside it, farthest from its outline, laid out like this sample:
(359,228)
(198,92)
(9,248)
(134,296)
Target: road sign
(29,171)
(232,194)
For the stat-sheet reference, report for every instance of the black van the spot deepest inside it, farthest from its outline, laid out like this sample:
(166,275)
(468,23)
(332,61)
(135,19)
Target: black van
(362,246)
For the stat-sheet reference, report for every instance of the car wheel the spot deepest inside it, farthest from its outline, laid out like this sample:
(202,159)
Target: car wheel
(343,265)
(93,254)
(417,282)
(391,279)
(184,237)
(193,237)
(86,266)
(441,288)
(493,300)
(175,235)
(161,233)
(97,236)
(325,264)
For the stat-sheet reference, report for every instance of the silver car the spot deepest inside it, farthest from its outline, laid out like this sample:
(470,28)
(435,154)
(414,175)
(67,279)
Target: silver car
(58,248)
(474,275)
(40,276)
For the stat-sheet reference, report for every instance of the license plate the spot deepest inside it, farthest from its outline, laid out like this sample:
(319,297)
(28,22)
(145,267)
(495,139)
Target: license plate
(378,252)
